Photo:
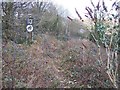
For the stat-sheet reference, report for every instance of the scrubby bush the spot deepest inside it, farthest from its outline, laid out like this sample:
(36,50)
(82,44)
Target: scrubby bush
(105,32)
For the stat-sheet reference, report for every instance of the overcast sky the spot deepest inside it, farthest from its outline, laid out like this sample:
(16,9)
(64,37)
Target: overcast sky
(70,5)
(80,5)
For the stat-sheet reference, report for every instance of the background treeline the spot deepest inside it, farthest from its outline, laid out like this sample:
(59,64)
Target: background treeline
(47,17)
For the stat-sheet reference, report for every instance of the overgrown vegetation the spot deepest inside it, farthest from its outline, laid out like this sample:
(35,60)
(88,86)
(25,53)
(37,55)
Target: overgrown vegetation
(63,52)
(105,32)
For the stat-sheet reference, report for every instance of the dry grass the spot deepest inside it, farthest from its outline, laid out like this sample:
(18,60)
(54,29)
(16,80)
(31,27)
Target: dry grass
(65,64)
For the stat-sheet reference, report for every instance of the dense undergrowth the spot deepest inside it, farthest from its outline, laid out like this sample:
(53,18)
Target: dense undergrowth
(61,64)
(60,58)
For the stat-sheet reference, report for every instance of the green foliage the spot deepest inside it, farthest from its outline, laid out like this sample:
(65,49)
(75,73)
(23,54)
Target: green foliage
(102,27)
(7,20)
(106,33)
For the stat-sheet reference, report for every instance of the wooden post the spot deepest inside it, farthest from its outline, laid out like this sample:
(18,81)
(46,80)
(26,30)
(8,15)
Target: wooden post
(30,36)
(29,28)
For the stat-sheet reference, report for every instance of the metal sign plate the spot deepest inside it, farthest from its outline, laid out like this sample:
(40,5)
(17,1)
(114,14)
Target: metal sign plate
(30,21)
(29,28)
